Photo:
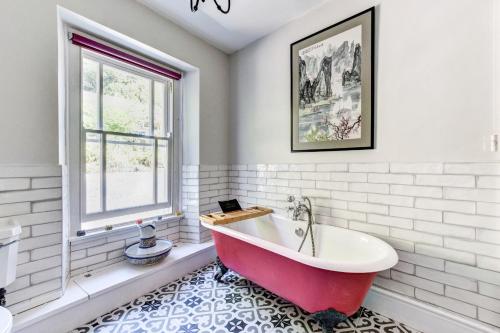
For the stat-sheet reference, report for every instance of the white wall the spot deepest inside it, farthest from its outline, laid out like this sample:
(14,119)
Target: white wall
(434,95)
(496,63)
(28,63)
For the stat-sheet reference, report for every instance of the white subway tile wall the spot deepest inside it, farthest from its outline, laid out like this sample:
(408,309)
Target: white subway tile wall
(443,219)
(203,186)
(31,196)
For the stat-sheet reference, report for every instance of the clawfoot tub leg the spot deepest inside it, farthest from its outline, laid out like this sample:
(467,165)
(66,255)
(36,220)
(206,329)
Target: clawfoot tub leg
(328,319)
(221,270)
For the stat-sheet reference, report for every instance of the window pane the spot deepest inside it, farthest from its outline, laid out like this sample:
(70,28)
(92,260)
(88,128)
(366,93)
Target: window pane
(129,172)
(93,173)
(90,93)
(126,102)
(159,109)
(163,180)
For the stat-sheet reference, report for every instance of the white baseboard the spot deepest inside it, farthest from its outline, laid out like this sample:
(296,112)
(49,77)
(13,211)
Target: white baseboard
(90,305)
(422,316)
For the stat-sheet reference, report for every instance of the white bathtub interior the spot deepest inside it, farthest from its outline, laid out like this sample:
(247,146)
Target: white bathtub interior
(337,248)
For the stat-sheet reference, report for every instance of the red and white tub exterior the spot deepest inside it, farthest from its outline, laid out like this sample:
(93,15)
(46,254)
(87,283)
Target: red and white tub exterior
(264,250)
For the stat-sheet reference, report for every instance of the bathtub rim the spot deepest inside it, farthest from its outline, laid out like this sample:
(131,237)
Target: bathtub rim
(369,266)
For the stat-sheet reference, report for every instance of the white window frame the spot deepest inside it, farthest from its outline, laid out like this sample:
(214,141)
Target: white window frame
(75,136)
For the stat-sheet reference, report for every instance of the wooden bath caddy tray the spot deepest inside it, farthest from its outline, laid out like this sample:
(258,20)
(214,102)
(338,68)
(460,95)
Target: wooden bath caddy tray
(235,216)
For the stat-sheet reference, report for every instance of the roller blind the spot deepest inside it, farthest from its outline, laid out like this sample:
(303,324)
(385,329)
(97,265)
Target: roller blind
(109,51)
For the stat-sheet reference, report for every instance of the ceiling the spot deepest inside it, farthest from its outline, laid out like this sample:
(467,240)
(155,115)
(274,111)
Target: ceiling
(247,21)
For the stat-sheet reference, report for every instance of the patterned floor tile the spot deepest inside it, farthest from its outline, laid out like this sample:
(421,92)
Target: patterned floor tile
(198,304)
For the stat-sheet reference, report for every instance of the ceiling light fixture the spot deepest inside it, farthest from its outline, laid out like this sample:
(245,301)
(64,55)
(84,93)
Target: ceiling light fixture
(195,5)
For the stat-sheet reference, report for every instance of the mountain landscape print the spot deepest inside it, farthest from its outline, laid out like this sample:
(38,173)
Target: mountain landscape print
(329,74)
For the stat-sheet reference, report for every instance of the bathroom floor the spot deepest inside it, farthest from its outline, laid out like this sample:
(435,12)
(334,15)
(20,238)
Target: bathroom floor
(198,304)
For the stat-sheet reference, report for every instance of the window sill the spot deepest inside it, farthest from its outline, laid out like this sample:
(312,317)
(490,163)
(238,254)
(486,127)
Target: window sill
(93,235)
(125,219)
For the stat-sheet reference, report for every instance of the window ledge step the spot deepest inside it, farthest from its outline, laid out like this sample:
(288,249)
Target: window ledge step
(82,288)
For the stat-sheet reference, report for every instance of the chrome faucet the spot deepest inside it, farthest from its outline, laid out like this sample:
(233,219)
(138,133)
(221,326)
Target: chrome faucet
(298,207)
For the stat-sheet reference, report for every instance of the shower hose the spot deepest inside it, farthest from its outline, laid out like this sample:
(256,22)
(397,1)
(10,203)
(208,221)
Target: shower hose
(309,229)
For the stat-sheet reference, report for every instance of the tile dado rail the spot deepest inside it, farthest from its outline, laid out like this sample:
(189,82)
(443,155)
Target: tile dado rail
(443,219)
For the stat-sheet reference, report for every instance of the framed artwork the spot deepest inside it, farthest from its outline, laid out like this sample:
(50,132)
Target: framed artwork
(332,82)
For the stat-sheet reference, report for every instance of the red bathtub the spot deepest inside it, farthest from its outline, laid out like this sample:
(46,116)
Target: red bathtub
(335,282)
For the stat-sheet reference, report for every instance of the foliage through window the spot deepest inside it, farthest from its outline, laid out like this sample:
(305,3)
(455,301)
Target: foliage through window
(126,124)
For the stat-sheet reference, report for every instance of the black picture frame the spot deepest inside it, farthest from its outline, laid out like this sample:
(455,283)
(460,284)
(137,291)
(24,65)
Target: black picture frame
(367,21)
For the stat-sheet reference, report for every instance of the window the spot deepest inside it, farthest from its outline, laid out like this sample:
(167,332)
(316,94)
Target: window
(126,124)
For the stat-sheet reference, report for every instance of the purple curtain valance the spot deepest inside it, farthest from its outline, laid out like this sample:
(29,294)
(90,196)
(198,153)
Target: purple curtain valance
(123,56)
